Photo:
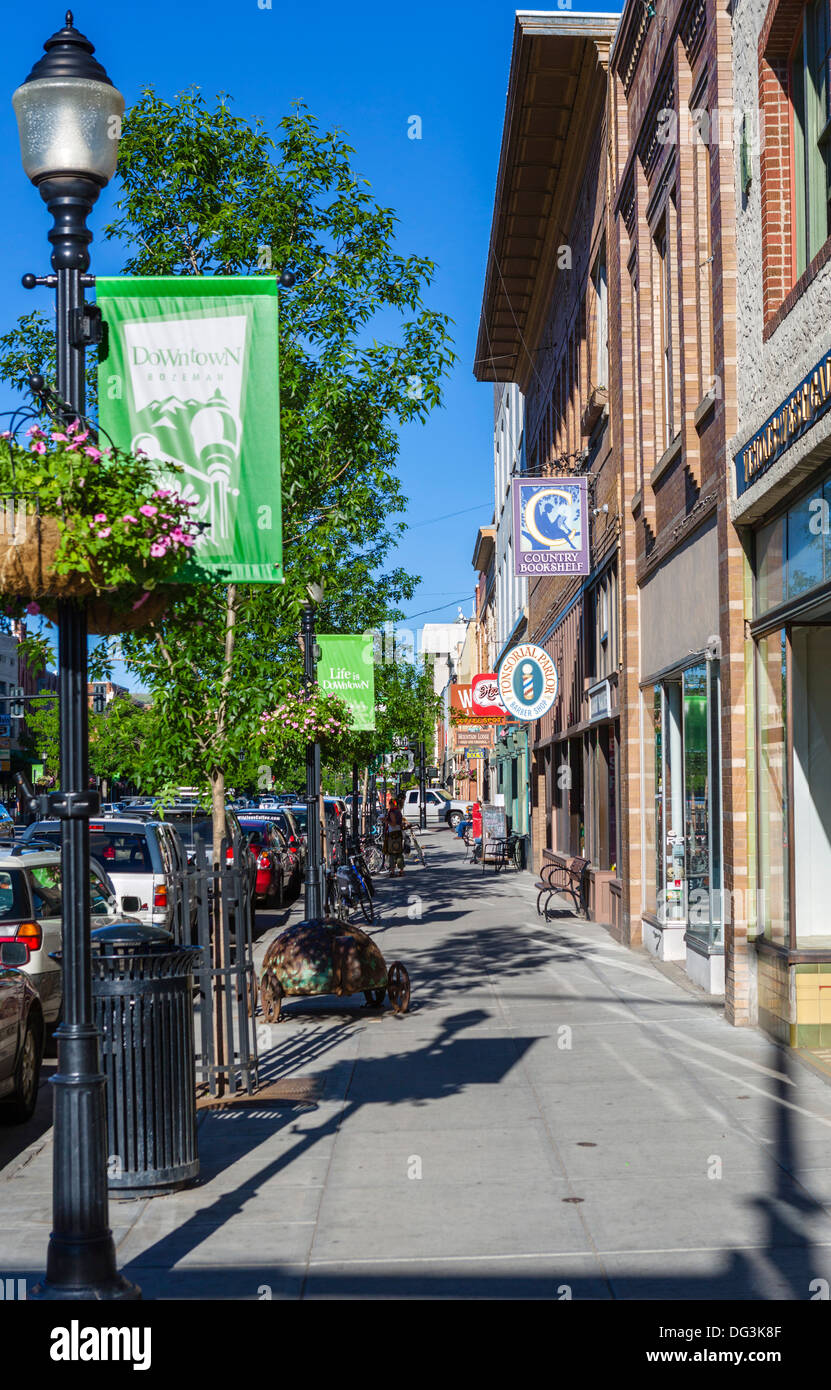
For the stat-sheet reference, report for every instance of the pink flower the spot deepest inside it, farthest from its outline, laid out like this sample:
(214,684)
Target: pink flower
(92,452)
(76,425)
(178,535)
(61,437)
(79,438)
(163,492)
(35,430)
(102,535)
(147,510)
(38,447)
(128,517)
(187,540)
(100,516)
(139,601)
(157,550)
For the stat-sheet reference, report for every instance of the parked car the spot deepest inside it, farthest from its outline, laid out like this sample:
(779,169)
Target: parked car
(441,808)
(191,821)
(144,859)
(288,834)
(270,853)
(30,914)
(22,1035)
(286,820)
(299,814)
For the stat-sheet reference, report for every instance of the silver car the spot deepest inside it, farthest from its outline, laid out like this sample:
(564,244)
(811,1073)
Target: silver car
(144,860)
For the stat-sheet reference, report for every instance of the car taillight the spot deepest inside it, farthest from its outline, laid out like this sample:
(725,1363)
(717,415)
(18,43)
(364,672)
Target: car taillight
(229,854)
(263,861)
(31,933)
(292,842)
(160,896)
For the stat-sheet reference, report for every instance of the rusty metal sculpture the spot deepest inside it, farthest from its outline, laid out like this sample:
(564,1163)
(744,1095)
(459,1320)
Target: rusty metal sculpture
(329,957)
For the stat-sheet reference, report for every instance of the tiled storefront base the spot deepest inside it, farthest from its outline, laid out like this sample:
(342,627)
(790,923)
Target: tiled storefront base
(795,1001)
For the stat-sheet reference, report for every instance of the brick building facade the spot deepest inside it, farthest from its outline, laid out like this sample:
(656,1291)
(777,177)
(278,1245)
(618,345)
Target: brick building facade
(544,328)
(682,159)
(672,290)
(780,490)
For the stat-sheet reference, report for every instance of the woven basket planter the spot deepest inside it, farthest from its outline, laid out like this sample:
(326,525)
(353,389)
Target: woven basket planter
(27,556)
(105,620)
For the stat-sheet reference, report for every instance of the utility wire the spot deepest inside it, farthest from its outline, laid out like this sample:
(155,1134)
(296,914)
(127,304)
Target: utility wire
(463,599)
(431,521)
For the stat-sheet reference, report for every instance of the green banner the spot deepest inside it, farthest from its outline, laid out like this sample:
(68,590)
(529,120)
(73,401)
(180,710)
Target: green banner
(191,375)
(346,669)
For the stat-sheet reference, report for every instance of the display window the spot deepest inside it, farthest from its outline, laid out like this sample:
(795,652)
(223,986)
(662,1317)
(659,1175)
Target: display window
(682,803)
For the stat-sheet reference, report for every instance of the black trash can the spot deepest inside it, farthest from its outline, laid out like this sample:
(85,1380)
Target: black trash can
(142,989)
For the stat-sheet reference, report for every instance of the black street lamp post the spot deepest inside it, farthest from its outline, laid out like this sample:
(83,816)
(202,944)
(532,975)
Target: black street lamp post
(68,115)
(313,906)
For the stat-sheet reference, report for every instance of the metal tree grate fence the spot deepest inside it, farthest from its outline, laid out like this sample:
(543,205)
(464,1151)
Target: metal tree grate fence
(223,898)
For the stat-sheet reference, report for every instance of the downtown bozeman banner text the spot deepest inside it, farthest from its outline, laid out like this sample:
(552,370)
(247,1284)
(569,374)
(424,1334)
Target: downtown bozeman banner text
(346,669)
(191,375)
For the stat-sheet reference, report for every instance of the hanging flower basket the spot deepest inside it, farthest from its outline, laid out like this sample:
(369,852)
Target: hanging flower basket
(79,522)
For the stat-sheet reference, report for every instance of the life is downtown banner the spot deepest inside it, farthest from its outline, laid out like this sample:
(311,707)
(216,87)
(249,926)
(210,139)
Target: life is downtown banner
(551,526)
(346,668)
(190,375)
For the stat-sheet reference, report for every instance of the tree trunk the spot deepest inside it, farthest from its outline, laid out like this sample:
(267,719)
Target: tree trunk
(218,812)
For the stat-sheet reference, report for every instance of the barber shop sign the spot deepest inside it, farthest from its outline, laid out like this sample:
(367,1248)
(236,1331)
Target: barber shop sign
(528,682)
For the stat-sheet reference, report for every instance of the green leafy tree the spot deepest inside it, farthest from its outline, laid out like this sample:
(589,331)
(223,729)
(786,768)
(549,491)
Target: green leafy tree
(203,191)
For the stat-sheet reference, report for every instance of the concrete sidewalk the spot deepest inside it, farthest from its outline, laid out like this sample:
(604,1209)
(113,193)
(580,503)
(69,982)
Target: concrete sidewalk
(556,1117)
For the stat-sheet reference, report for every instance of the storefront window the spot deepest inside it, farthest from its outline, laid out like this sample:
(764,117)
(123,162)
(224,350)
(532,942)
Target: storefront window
(811,716)
(681,770)
(770,566)
(773,790)
(703,896)
(652,797)
(674,857)
(805,545)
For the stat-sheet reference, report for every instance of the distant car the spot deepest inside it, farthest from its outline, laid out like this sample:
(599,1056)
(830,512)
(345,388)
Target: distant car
(30,914)
(22,1036)
(440,807)
(145,860)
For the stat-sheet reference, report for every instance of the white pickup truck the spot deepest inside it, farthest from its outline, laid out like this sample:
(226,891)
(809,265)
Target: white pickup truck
(441,808)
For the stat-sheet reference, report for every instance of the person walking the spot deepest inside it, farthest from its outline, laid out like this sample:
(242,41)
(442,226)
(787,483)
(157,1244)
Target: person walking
(394,824)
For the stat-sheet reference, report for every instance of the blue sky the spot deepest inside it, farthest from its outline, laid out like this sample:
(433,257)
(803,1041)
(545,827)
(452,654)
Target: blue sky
(366,69)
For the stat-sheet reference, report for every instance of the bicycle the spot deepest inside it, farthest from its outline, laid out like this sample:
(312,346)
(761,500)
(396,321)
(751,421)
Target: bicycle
(372,853)
(516,850)
(360,877)
(411,842)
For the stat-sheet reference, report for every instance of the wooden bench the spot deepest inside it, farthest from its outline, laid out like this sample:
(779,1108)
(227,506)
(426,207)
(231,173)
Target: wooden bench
(566,876)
